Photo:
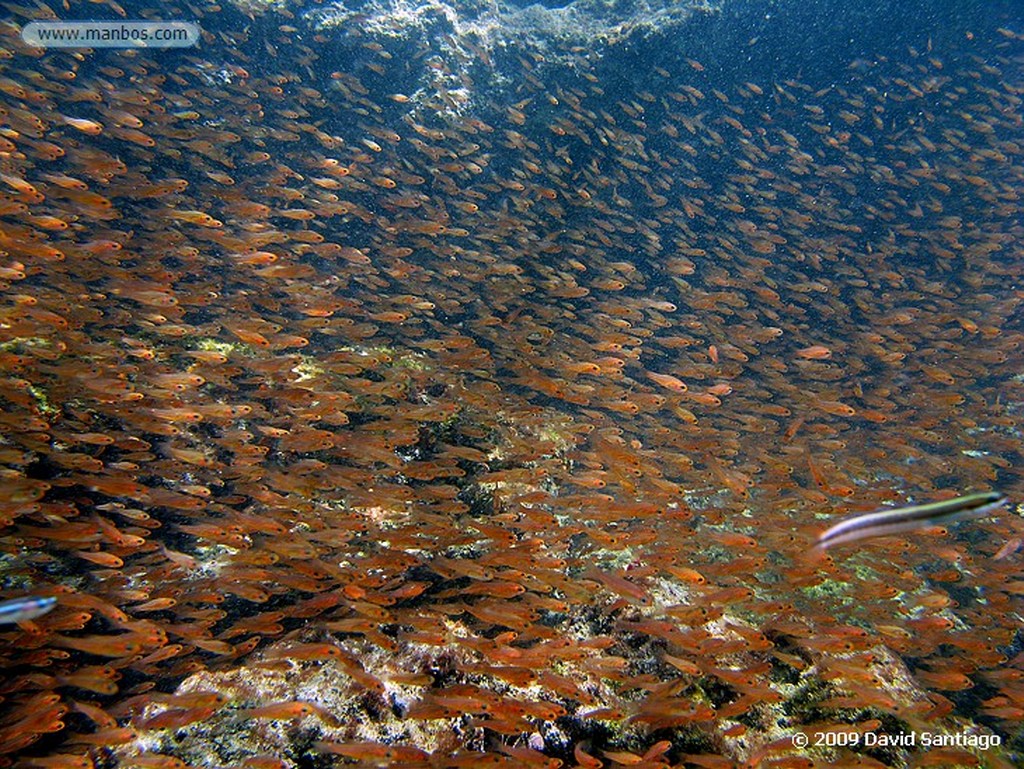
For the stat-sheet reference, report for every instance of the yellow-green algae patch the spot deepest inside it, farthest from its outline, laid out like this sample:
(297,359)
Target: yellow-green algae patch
(210,344)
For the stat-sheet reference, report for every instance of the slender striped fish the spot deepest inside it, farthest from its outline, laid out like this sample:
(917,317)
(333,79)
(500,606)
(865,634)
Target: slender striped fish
(25,608)
(899,520)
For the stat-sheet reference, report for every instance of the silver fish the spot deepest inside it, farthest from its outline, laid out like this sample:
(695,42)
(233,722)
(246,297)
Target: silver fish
(899,520)
(25,608)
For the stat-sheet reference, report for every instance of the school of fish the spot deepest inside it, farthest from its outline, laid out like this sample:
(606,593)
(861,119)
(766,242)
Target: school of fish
(542,398)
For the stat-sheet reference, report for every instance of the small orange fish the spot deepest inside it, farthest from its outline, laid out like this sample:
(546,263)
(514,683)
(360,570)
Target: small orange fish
(814,352)
(667,381)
